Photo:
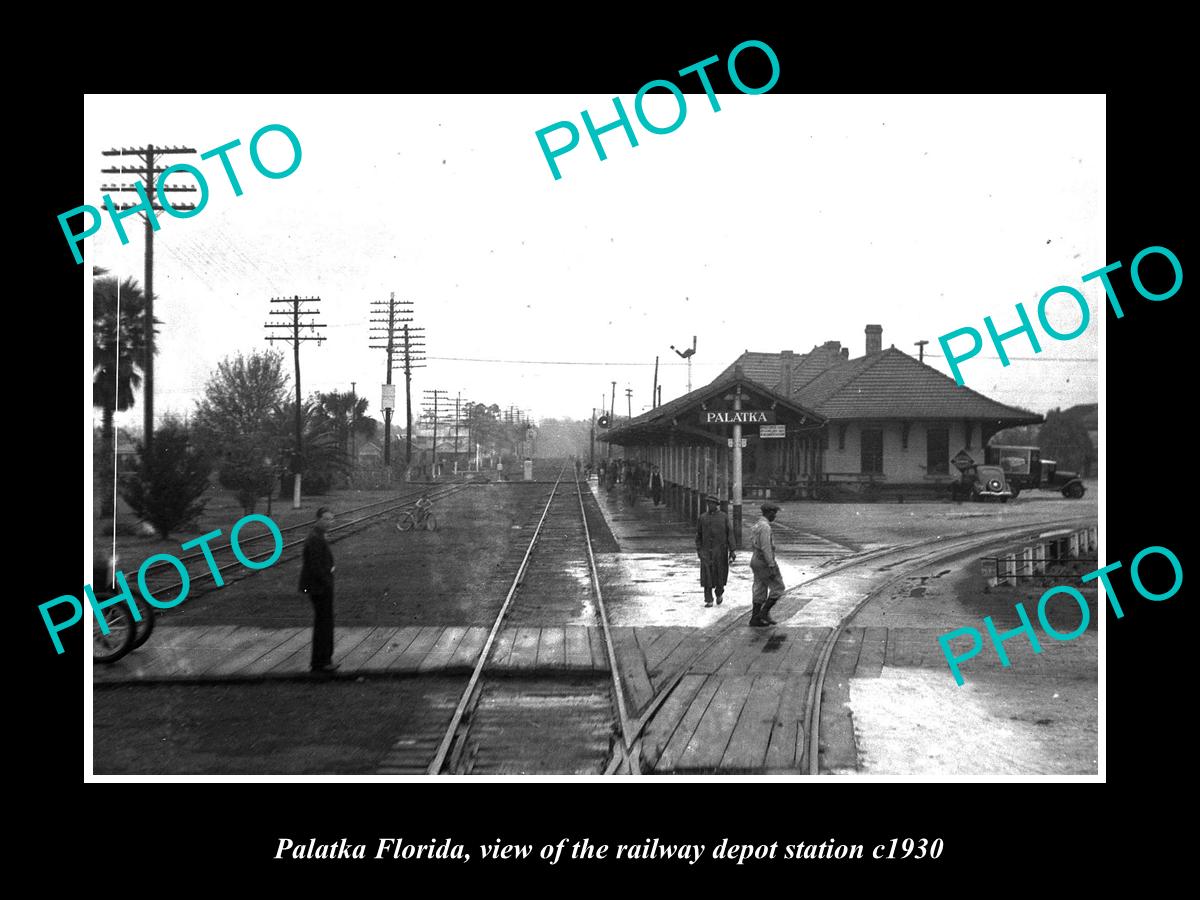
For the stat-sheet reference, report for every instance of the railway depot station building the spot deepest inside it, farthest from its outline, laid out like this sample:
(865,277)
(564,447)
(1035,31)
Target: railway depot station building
(883,425)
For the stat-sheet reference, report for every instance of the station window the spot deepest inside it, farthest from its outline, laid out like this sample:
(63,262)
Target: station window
(871,444)
(937,451)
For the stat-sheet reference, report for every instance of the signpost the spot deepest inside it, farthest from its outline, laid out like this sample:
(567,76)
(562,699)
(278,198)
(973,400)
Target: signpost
(772,431)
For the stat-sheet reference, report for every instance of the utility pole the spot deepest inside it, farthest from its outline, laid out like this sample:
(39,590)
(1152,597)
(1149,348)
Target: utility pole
(436,394)
(353,421)
(295,339)
(629,402)
(592,447)
(612,414)
(398,313)
(654,390)
(737,469)
(921,350)
(457,408)
(659,403)
(148,204)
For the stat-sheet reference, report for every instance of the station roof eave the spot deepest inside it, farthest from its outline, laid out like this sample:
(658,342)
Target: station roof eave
(680,420)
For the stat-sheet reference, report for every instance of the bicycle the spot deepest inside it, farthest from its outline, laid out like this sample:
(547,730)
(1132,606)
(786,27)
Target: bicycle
(421,517)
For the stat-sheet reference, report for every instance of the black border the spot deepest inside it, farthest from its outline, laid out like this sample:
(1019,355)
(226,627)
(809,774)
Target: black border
(991,830)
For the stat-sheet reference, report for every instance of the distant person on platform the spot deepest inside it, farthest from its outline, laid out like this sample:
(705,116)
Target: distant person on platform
(714,546)
(316,580)
(656,485)
(768,585)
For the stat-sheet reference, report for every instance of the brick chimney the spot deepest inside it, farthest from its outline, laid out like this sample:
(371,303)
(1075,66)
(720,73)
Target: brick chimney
(787,358)
(874,339)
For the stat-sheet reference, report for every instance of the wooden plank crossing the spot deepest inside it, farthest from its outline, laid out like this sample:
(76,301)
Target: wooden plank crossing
(713,731)
(638,690)
(738,707)
(238,652)
(786,747)
(751,736)
(741,705)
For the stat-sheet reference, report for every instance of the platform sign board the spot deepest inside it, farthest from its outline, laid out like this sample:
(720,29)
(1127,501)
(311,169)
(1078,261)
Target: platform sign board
(963,460)
(737,417)
(389,397)
(772,431)
(729,442)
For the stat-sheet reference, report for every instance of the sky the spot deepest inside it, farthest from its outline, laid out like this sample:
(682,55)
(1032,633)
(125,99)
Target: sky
(779,222)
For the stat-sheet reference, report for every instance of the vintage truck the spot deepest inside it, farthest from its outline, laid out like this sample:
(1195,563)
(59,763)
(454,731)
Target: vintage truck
(1025,470)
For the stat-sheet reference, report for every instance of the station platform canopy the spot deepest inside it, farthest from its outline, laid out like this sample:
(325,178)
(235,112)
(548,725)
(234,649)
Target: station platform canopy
(707,414)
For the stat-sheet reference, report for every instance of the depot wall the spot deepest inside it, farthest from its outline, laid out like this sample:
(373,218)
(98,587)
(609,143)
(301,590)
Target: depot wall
(901,464)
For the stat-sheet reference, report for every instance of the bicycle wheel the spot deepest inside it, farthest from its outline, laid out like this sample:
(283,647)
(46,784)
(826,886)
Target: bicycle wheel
(431,522)
(145,627)
(406,522)
(108,648)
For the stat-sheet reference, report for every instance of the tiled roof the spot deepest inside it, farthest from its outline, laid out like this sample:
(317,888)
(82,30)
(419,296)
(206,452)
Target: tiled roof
(767,368)
(661,416)
(892,385)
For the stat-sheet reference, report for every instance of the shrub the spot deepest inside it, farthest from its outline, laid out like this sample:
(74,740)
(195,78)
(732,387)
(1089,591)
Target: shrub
(246,471)
(166,486)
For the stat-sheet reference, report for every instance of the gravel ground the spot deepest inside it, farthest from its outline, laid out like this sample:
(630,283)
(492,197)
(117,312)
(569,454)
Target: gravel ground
(868,525)
(280,728)
(1037,716)
(457,575)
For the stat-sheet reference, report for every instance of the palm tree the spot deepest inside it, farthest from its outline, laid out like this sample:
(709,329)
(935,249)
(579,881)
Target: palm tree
(323,458)
(347,414)
(118,355)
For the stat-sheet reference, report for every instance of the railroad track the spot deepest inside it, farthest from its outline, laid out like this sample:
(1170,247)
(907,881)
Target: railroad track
(508,725)
(909,558)
(163,579)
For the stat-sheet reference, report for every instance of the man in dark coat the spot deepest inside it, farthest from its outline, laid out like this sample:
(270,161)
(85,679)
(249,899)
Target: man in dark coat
(656,485)
(714,546)
(316,580)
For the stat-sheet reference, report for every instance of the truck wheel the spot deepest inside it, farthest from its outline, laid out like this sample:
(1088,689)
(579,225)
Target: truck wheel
(1073,491)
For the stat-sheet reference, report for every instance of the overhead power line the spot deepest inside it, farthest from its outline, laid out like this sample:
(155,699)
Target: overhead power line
(553,362)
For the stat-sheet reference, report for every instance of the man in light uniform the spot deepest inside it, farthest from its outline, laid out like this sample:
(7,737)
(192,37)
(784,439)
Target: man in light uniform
(768,585)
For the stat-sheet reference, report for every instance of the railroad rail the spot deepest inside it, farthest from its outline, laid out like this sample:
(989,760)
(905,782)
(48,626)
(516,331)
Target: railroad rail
(454,742)
(926,553)
(336,533)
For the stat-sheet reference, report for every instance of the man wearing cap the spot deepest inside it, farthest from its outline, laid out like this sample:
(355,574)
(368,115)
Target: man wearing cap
(768,585)
(714,546)
(316,580)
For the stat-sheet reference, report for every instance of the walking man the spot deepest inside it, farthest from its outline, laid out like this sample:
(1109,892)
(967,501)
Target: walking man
(656,485)
(768,585)
(316,580)
(714,546)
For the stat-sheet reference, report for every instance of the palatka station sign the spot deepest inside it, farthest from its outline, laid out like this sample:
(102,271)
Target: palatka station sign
(738,417)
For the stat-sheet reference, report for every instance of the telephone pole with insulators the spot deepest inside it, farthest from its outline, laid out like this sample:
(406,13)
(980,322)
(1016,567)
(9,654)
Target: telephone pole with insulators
(148,155)
(295,339)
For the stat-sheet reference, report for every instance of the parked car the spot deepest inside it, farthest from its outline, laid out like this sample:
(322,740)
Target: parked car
(1025,470)
(981,483)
